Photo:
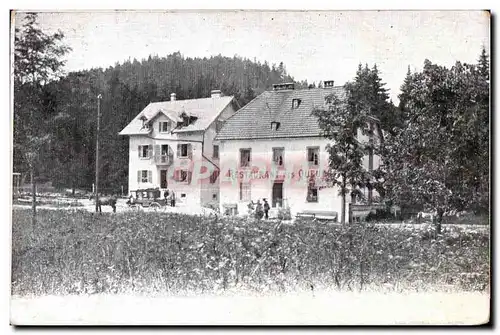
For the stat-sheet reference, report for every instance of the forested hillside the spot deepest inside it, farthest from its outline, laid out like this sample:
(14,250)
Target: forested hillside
(68,115)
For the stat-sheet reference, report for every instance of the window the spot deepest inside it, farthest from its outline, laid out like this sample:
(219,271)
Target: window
(214,176)
(278,156)
(183,176)
(214,196)
(165,150)
(245,192)
(184,150)
(216,152)
(183,195)
(144,176)
(145,123)
(145,151)
(218,125)
(165,126)
(312,193)
(296,103)
(313,156)
(275,125)
(245,157)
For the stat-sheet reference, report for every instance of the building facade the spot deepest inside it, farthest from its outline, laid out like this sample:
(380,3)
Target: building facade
(172,147)
(273,149)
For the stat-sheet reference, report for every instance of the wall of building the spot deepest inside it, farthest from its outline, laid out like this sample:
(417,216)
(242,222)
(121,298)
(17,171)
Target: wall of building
(186,192)
(199,191)
(210,194)
(296,169)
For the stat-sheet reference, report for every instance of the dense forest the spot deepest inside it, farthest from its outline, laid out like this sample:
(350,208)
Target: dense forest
(69,109)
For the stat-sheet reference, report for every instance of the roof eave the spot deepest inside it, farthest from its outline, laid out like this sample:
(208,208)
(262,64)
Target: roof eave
(264,138)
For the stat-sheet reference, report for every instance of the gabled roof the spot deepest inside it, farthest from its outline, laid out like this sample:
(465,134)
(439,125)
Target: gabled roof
(254,120)
(205,110)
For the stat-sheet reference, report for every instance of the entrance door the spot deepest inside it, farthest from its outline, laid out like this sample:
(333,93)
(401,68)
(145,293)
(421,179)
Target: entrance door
(163,179)
(277,194)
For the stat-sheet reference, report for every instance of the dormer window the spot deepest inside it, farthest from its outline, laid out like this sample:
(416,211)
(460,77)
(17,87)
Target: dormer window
(145,123)
(187,119)
(296,103)
(275,125)
(165,126)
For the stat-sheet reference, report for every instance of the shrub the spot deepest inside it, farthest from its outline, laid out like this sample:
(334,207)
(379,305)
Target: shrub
(284,213)
(380,215)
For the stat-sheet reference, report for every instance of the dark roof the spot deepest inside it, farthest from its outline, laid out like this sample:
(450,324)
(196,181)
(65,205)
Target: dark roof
(254,120)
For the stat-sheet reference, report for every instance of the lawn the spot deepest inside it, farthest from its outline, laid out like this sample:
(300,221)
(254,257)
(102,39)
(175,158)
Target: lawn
(78,252)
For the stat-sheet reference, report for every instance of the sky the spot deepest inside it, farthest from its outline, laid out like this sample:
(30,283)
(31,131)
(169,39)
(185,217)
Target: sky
(313,45)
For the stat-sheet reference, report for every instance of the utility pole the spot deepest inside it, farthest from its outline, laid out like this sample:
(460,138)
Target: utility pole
(97,154)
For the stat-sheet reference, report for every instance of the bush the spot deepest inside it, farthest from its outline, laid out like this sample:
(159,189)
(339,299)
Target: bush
(73,252)
(380,215)
(284,213)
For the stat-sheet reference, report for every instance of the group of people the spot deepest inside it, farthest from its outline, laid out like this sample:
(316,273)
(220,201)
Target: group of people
(258,209)
(169,196)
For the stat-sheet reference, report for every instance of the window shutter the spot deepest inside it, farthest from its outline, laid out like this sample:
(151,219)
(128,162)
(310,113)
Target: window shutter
(189,176)
(159,127)
(139,150)
(179,150)
(190,150)
(150,151)
(157,151)
(150,176)
(169,126)
(139,176)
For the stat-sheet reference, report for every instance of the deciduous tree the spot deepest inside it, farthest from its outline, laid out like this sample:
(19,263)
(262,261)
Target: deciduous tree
(37,61)
(439,159)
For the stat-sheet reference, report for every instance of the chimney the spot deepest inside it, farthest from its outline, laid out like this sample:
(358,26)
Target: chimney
(216,93)
(283,86)
(328,83)
(172,96)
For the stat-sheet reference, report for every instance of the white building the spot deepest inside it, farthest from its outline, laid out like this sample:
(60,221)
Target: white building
(272,148)
(171,147)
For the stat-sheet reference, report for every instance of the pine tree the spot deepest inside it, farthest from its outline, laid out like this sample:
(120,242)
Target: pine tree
(484,64)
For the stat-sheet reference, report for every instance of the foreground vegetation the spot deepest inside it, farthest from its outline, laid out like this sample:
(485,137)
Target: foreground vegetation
(75,252)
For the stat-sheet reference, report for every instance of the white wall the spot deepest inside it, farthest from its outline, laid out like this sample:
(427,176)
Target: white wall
(294,187)
(192,191)
(200,190)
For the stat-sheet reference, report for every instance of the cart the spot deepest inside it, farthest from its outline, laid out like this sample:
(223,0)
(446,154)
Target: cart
(147,198)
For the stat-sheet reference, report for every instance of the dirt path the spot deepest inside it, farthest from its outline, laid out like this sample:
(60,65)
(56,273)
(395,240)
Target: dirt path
(301,308)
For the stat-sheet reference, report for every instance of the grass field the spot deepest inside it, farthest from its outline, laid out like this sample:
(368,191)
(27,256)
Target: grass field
(77,252)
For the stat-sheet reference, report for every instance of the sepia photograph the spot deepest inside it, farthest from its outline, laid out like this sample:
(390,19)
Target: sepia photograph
(250,167)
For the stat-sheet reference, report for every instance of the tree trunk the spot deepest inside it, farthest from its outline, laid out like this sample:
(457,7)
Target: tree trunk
(439,219)
(342,209)
(33,195)
(343,191)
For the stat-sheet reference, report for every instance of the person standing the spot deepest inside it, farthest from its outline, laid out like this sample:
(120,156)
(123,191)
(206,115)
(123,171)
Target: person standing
(166,196)
(266,209)
(172,199)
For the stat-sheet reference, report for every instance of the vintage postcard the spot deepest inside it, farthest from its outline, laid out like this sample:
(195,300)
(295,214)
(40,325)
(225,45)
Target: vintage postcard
(223,167)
